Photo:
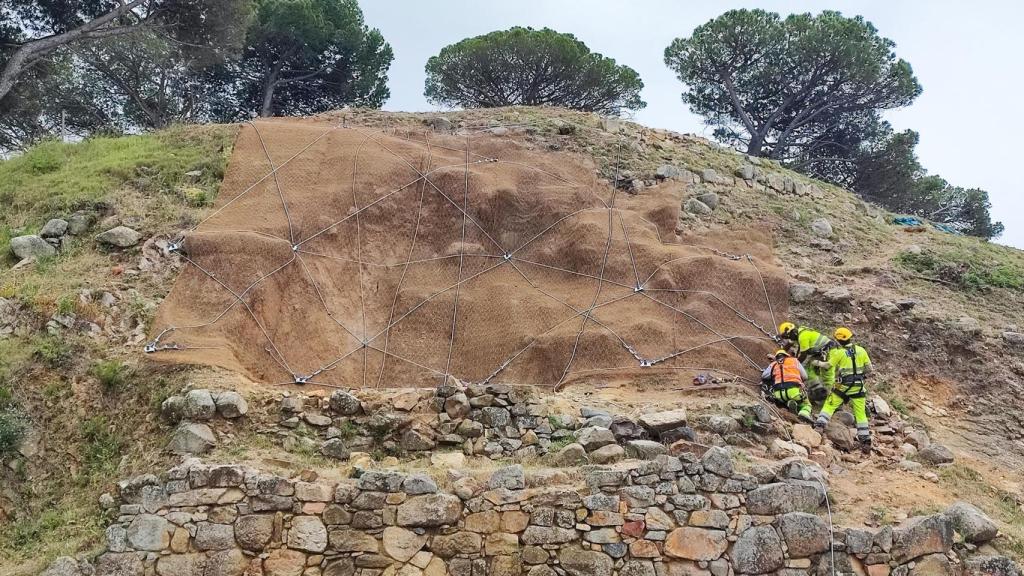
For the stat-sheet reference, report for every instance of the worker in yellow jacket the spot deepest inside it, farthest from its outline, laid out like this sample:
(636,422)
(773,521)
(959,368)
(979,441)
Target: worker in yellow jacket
(852,367)
(812,351)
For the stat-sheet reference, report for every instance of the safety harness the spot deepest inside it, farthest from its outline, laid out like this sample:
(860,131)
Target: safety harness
(853,384)
(779,381)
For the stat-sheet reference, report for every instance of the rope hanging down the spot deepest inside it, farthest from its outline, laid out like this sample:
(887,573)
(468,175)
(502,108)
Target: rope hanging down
(424,183)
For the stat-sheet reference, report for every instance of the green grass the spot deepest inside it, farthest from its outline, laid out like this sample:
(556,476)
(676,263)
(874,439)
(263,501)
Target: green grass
(967,268)
(57,178)
(112,374)
(102,450)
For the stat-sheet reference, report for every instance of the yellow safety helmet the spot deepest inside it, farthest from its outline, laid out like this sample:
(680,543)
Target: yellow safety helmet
(780,352)
(842,334)
(785,327)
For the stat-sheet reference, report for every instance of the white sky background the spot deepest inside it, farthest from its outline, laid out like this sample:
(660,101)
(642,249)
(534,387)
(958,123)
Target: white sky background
(966,55)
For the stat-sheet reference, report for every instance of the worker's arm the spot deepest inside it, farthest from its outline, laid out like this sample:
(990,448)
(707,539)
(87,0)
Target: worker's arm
(766,373)
(866,362)
(803,372)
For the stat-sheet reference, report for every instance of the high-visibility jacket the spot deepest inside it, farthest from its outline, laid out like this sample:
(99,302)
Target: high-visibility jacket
(851,364)
(786,370)
(809,341)
(785,373)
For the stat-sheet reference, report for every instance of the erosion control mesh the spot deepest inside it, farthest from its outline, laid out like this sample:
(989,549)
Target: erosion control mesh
(353,257)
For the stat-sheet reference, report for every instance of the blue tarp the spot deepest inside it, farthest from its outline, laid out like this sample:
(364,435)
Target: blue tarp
(915,221)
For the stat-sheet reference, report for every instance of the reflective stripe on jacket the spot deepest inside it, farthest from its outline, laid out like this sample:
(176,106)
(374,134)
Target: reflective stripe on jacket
(810,341)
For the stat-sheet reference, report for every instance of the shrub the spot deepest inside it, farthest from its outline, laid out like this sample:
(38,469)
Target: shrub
(112,374)
(12,430)
(52,351)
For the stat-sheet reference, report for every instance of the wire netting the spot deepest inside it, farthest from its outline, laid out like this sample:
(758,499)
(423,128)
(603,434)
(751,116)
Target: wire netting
(353,257)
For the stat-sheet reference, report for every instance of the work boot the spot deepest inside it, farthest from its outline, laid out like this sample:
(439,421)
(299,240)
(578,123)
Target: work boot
(865,444)
(805,416)
(819,425)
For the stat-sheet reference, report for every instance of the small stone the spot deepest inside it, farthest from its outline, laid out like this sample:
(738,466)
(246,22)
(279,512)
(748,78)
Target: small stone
(805,534)
(593,437)
(335,448)
(821,228)
(718,461)
(801,292)
(511,477)
(54,228)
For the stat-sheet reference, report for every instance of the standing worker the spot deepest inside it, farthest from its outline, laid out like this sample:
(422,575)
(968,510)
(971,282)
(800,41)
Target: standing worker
(786,376)
(852,366)
(812,348)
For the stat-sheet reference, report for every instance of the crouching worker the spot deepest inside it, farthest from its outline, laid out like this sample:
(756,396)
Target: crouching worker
(786,377)
(812,351)
(852,366)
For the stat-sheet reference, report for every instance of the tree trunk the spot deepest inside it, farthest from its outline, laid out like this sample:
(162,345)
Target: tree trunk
(755,145)
(267,107)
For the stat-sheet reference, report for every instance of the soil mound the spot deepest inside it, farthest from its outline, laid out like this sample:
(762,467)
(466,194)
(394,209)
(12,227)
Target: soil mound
(352,257)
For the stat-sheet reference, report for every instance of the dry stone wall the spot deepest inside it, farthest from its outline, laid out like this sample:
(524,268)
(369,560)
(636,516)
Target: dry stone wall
(667,516)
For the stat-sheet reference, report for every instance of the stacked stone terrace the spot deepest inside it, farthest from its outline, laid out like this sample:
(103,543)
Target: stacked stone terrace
(662,517)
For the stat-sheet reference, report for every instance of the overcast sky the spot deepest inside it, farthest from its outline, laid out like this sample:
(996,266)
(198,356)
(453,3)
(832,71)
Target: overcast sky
(967,56)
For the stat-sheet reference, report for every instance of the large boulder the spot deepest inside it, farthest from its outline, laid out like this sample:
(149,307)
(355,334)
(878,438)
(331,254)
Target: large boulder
(430,510)
(402,544)
(119,237)
(696,543)
(645,449)
(933,565)
(821,228)
(63,566)
(148,532)
(971,523)
(785,497)
(758,550)
(119,564)
(625,429)
(657,422)
(991,566)
(31,247)
(511,477)
(344,403)
(570,455)
(935,454)
(230,404)
(717,460)
(594,437)
(307,533)
(199,405)
(253,531)
(578,562)
(805,534)
(192,438)
(920,536)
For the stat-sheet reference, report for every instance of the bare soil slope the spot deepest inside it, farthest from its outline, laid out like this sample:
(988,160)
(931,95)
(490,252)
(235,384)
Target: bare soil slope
(353,256)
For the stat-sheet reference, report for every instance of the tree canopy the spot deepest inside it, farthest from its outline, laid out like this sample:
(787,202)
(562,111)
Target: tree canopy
(523,66)
(779,87)
(32,31)
(881,165)
(304,57)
